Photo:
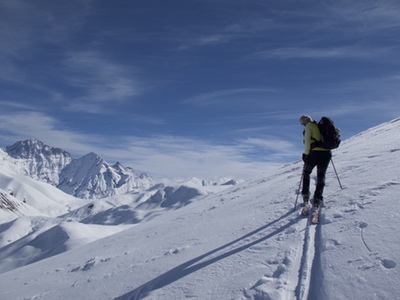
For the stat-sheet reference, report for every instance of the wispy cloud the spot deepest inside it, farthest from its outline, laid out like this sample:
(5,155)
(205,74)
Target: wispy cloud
(223,96)
(98,80)
(159,155)
(87,74)
(27,26)
(27,125)
(15,105)
(220,31)
(35,40)
(169,155)
(325,53)
(366,16)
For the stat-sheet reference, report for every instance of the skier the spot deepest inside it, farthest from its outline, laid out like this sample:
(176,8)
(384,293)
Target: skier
(313,156)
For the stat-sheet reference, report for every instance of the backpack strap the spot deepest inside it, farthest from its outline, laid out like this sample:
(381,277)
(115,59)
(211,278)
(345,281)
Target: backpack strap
(315,143)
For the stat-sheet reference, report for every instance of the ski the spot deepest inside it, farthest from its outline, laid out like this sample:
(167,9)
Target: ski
(305,210)
(315,216)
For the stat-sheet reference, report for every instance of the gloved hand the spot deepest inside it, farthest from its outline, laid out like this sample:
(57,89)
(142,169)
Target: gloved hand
(305,157)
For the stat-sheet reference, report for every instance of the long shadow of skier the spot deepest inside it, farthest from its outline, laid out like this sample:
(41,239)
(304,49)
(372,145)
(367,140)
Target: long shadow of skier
(192,265)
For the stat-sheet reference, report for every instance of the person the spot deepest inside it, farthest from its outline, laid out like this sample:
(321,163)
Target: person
(313,156)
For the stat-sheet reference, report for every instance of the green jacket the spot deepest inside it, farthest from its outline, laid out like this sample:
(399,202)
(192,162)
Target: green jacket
(311,135)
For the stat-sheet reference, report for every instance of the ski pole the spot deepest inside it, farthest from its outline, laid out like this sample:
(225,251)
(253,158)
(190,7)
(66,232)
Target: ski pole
(337,176)
(298,190)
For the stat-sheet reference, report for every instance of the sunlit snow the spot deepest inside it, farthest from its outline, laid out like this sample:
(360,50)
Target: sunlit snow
(236,242)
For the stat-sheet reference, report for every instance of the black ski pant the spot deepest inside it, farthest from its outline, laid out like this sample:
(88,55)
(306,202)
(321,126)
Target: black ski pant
(319,159)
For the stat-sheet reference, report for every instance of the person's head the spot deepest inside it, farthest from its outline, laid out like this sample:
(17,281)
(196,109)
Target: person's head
(304,119)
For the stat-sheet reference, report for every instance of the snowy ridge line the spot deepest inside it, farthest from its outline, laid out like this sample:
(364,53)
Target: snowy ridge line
(206,260)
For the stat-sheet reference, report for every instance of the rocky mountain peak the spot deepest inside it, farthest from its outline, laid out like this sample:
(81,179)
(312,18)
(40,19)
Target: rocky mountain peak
(34,148)
(38,160)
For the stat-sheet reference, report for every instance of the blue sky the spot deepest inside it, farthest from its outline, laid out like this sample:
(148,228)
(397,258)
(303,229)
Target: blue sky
(194,87)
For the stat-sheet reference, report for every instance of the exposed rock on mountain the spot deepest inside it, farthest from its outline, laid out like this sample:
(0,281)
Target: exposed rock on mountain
(39,161)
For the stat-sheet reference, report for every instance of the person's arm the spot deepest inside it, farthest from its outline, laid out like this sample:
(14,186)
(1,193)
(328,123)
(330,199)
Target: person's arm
(307,139)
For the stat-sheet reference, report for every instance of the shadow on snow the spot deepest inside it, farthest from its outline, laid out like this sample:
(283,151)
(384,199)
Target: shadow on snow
(194,265)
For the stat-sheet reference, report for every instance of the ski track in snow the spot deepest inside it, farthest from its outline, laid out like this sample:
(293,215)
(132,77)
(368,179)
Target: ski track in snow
(308,264)
(307,255)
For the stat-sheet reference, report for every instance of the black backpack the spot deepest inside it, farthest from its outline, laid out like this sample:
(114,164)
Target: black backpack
(330,135)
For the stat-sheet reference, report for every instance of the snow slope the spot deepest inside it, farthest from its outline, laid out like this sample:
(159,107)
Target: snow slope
(39,196)
(244,242)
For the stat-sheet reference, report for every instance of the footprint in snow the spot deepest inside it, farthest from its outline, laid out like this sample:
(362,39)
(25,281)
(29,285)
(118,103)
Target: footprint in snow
(388,263)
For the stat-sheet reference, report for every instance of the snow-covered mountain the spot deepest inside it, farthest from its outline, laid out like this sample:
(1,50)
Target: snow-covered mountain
(87,177)
(92,177)
(240,242)
(39,161)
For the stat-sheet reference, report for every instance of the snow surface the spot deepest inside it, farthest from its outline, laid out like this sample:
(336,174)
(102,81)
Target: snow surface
(243,242)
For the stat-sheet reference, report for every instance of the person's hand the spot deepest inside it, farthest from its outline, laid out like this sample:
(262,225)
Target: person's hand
(305,157)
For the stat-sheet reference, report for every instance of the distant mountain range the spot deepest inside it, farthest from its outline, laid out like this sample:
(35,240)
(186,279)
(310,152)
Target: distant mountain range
(88,177)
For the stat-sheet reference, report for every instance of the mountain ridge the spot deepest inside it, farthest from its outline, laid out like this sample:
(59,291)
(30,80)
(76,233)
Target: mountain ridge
(87,177)
(90,176)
